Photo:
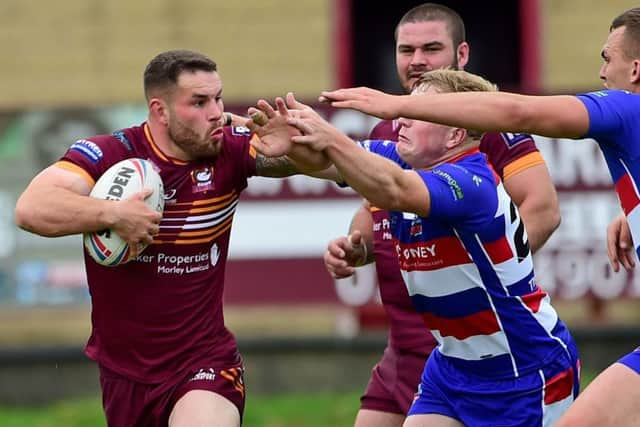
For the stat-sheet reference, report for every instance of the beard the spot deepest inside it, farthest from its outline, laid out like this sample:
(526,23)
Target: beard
(193,144)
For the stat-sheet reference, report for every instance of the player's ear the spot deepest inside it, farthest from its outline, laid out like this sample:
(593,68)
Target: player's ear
(457,136)
(462,54)
(635,71)
(159,110)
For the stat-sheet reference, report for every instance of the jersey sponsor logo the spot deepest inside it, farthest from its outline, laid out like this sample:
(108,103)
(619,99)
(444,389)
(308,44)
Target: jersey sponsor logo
(432,255)
(514,139)
(88,149)
(170,195)
(599,93)
(178,265)
(214,254)
(120,136)
(240,131)
(456,190)
(204,375)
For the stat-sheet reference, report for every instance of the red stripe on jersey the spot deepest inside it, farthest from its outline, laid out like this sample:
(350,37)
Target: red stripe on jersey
(499,251)
(628,197)
(481,323)
(433,255)
(558,387)
(534,299)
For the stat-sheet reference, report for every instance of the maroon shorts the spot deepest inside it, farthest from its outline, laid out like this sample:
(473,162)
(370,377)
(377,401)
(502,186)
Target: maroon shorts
(394,382)
(129,403)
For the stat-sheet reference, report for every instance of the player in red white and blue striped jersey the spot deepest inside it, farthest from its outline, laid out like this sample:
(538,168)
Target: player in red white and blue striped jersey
(503,356)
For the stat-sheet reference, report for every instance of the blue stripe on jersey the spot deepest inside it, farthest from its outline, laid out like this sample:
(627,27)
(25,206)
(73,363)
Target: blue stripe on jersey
(524,286)
(461,304)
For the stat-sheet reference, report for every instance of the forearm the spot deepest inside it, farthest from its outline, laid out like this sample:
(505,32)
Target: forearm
(553,116)
(540,222)
(308,161)
(376,178)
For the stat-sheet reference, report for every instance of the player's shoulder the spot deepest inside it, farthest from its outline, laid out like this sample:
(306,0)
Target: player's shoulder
(505,141)
(236,138)
(98,148)
(385,129)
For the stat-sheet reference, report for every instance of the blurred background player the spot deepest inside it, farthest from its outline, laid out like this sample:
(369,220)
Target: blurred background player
(611,117)
(430,36)
(158,332)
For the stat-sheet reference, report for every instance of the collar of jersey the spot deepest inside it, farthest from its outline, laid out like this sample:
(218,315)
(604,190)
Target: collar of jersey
(157,149)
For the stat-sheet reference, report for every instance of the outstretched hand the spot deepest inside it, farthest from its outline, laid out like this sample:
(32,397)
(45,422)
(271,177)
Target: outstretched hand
(316,132)
(274,134)
(369,101)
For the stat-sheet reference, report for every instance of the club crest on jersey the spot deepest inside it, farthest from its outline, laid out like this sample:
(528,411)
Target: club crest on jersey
(416,227)
(88,149)
(202,179)
(240,131)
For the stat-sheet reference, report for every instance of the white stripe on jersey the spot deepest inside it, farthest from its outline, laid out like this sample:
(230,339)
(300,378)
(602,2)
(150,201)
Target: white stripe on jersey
(442,282)
(220,216)
(546,316)
(476,347)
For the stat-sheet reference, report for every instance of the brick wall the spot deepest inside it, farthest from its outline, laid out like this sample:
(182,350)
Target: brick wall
(77,52)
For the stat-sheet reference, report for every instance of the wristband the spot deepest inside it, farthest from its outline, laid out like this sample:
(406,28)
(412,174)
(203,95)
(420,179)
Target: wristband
(228,119)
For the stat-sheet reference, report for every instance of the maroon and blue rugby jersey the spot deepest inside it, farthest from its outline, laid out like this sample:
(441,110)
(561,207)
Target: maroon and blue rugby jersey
(162,313)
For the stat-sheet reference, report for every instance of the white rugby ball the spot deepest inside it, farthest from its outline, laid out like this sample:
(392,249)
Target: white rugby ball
(120,181)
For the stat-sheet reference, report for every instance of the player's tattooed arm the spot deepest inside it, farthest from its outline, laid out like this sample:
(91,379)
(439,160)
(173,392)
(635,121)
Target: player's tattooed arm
(283,166)
(275,167)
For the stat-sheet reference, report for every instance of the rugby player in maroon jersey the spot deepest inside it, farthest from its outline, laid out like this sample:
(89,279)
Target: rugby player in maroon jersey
(158,334)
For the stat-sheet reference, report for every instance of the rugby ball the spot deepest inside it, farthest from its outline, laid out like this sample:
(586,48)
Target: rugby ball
(119,182)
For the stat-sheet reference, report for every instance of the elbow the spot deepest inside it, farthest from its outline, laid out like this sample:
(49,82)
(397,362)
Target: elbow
(554,221)
(22,216)
(27,219)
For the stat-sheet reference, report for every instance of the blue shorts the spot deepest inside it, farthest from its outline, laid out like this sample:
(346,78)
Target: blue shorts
(538,398)
(632,360)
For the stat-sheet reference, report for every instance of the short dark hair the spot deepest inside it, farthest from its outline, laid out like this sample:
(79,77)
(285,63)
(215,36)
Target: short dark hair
(436,12)
(631,21)
(163,71)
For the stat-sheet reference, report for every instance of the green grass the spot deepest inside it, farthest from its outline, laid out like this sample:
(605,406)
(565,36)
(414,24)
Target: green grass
(287,410)
(322,409)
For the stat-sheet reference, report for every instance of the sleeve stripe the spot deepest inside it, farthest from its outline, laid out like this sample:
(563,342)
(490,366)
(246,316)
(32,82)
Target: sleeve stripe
(523,163)
(63,164)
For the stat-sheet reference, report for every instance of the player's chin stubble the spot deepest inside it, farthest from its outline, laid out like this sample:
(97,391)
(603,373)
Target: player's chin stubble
(193,144)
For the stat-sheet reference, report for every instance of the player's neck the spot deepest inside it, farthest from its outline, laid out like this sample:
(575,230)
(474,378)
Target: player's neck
(454,153)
